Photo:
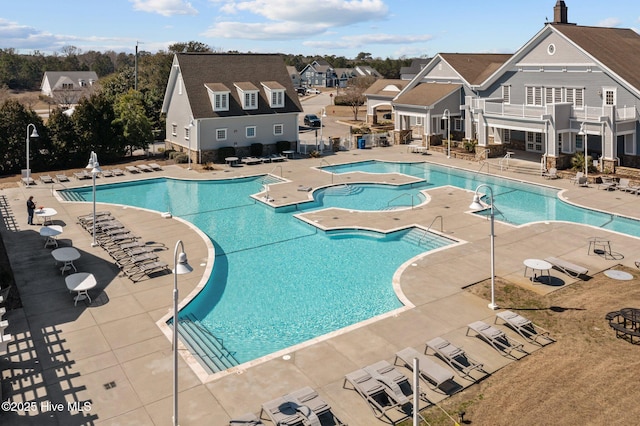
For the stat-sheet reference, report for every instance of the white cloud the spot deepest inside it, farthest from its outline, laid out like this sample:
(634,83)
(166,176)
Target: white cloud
(362,40)
(165,7)
(609,23)
(24,38)
(263,31)
(287,19)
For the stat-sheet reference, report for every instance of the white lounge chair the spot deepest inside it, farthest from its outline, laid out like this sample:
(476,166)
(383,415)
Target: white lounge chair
(133,169)
(430,372)
(497,338)
(248,419)
(625,185)
(607,183)
(575,179)
(282,412)
(117,172)
(309,398)
(46,179)
(155,166)
(379,397)
(568,268)
(62,178)
(454,356)
(26,177)
(145,168)
(525,328)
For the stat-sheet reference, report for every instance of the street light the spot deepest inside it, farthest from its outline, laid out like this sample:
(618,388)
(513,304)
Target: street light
(583,133)
(95,169)
(477,205)
(34,134)
(446,115)
(180,266)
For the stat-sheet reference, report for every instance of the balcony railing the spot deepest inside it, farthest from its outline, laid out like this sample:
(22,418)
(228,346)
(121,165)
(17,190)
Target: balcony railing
(527,111)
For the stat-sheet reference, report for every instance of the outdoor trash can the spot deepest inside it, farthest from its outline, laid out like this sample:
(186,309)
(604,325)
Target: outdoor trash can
(361,144)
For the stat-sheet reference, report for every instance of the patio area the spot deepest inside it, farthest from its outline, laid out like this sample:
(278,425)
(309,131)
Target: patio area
(112,362)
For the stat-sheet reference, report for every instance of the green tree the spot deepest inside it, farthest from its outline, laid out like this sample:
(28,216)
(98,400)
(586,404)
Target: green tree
(131,117)
(65,142)
(190,46)
(98,131)
(14,119)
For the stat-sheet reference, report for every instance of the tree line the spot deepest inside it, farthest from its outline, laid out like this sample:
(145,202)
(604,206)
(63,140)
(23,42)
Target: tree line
(114,119)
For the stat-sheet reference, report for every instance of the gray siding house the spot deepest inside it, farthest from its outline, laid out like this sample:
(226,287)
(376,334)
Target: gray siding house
(568,87)
(217,100)
(438,91)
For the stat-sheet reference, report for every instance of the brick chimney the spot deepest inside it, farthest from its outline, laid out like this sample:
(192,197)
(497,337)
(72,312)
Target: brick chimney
(560,13)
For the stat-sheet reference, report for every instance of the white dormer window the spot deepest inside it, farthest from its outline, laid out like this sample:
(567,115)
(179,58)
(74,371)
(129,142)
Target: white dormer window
(277,98)
(248,94)
(82,83)
(250,100)
(218,96)
(221,102)
(274,92)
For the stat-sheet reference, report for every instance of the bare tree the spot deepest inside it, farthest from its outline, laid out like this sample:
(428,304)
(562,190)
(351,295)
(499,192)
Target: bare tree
(354,93)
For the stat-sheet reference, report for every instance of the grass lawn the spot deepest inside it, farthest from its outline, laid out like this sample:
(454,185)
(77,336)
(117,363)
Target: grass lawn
(587,377)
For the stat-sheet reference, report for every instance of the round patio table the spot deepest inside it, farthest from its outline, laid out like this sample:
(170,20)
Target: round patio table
(81,283)
(231,161)
(537,265)
(46,214)
(50,233)
(618,275)
(66,255)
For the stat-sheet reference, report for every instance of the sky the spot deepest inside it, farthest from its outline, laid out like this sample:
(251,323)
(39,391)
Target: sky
(383,28)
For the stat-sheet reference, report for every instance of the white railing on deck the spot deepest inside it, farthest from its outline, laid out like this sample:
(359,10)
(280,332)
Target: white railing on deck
(521,110)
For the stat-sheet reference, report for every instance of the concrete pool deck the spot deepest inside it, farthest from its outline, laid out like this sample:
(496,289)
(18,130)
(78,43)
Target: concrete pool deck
(112,353)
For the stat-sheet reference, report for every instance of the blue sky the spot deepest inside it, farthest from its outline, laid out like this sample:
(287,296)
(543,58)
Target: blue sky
(384,28)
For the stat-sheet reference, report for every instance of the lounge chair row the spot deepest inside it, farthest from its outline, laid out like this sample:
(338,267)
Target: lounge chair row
(266,159)
(304,407)
(146,168)
(388,391)
(134,258)
(5,339)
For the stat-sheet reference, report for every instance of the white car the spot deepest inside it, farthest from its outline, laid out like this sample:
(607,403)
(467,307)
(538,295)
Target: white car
(312,91)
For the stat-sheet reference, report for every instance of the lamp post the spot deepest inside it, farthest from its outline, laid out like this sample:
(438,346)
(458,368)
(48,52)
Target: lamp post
(446,115)
(34,134)
(95,169)
(583,133)
(180,266)
(477,205)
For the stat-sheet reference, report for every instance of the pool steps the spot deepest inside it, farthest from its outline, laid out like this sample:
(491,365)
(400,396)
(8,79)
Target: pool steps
(209,349)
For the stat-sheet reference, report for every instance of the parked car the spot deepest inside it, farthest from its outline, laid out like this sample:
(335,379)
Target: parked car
(312,91)
(311,120)
(301,90)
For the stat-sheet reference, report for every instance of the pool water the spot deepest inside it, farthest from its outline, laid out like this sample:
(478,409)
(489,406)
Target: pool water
(277,281)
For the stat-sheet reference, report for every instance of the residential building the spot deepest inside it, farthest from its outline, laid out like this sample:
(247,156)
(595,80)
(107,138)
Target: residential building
(440,89)
(318,73)
(217,100)
(409,73)
(570,89)
(295,76)
(381,94)
(66,88)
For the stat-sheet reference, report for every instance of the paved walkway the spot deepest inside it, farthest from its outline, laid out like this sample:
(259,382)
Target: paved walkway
(113,355)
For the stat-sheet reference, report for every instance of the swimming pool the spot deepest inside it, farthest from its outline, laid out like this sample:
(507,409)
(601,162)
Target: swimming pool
(277,281)
(513,199)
